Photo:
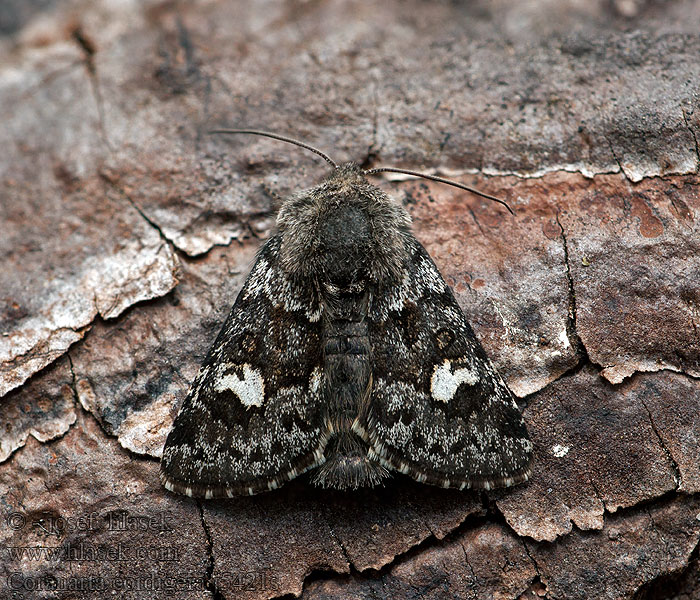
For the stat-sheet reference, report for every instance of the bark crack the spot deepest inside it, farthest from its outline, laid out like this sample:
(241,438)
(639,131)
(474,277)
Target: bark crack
(695,139)
(73,381)
(31,353)
(684,373)
(114,185)
(571,320)
(470,521)
(342,547)
(538,576)
(599,496)
(372,150)
(469,566)
(166,239)
(677,477)
(662,584)
(93,415)
(616,159)
(476,220)
(76,407)
(89,50)
(209,580)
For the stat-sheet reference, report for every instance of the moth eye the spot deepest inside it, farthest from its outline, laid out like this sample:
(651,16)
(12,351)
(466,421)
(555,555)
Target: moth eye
(444,338)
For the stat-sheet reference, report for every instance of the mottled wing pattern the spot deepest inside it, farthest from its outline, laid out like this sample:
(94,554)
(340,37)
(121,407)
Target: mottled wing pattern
(253,416)
(438,411)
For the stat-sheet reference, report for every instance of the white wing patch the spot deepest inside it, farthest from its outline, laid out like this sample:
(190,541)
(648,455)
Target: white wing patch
(250,390)
(445,382)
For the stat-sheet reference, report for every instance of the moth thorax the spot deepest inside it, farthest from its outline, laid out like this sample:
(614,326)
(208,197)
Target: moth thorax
(344,246)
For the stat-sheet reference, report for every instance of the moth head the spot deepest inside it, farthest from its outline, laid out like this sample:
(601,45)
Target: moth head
(346,227)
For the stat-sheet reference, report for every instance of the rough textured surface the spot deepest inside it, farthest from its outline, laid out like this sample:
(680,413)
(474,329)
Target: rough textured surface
(598,449)
(317,531)
(487,561)
(583,116)
(72,251)
(86,515)
(682,586)
(586,266)
(632,550)
(490,562)
(43,408)
(634,261)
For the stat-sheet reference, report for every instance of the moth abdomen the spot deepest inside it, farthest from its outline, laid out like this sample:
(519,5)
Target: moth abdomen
(348,376)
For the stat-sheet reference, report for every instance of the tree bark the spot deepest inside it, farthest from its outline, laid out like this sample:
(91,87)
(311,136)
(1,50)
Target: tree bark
(127,232)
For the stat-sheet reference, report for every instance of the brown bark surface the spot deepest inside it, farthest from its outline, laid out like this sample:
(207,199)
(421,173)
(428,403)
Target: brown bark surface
(126,232)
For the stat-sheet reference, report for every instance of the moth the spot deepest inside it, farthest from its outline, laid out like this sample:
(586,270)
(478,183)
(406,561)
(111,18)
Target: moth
(345,353)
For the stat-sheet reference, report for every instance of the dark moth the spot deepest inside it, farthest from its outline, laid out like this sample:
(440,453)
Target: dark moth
(346,353)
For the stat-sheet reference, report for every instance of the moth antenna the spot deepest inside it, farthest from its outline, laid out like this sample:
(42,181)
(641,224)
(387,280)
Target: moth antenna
(281,138)
(441,180)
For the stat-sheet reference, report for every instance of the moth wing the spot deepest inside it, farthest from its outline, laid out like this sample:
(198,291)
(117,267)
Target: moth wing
(438,411)
(252,418)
